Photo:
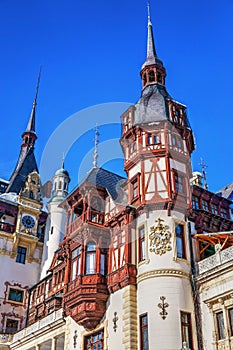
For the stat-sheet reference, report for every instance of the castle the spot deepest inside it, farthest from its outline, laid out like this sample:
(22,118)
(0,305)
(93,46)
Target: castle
(136,262)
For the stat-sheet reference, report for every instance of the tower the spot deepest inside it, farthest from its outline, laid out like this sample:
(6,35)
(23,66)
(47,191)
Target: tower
(157,142)
(22,222)
(55,226)
(26,162)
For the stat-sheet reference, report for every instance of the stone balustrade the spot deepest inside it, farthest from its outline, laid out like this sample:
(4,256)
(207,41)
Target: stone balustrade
(46,321)
(215,260)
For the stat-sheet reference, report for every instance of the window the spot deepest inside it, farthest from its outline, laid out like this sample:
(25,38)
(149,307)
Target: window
(220,325)
(94,341)
(51,230)
(159,78)
(179,183)
(223,213)
(180,242)
(186,330)
(76,262)
(21,255)
(152,139)
(90,258)
(214,209)
(195,202)
(205,205)
(144,342)
(103,262)
(59,185)
(16,295)
(135,188)
(141,244)
(11,325)
(230,315)
(151,76)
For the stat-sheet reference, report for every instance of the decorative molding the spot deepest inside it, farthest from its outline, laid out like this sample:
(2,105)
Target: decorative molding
(114,320)
(160,238)
(163,305)
(75,338)
(164,273)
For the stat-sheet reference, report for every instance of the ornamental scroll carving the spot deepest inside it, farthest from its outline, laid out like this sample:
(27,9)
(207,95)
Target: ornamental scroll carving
(160,238)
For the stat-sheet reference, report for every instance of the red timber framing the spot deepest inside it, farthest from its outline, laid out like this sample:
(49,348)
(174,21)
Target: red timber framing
(210,212)
(165,140)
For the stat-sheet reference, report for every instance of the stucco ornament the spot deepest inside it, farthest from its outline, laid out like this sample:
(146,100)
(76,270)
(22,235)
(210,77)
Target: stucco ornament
(160,238)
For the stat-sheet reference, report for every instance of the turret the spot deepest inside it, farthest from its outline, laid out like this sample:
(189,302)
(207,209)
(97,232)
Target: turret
(55,226)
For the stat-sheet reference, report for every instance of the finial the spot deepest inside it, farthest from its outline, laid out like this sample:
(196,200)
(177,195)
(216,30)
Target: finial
(204,166)
(63,161)
(148,9)
(96,146)
(37,87)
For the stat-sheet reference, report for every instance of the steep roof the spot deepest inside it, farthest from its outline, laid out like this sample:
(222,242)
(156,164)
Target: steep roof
(25,165)
(227,192)
(106,179)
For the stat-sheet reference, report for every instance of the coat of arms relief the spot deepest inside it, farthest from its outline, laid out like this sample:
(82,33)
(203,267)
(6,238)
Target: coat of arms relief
(160,238)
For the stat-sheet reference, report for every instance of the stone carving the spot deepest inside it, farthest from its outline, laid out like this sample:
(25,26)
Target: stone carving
(160,238)
(163,305)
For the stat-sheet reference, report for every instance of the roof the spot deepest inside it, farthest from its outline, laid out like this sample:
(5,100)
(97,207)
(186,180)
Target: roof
(226,192)
(106,179)
(25,165)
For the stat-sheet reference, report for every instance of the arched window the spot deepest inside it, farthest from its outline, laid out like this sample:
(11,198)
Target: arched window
(159,78)
(90,258)
(151,76)
(60,185)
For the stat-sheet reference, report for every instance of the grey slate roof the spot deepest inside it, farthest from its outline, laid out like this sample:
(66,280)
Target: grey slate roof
(227,192)
(25,165)
(106,179)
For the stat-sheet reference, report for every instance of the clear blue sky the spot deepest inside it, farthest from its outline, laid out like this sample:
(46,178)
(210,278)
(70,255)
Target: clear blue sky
(91,53)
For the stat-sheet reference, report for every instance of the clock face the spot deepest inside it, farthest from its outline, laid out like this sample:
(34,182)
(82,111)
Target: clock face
(28,221)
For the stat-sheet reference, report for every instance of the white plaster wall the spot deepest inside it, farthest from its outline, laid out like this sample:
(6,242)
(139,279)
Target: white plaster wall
(178,165)
(57,220)
(165,334)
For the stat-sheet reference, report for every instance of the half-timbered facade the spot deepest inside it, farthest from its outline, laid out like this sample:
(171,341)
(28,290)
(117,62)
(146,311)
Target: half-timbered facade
(145,262)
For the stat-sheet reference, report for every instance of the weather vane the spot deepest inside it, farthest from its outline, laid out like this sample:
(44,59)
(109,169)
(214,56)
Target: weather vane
(204,166)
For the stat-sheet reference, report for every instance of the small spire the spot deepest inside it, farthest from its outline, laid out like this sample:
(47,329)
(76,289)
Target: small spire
(32,119)
(96,146)
(151,57)
(148,8)
(204,166)
(63,161)
(151,53)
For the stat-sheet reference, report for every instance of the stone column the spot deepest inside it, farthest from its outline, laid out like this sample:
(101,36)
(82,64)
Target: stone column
(54,344)
(37,347)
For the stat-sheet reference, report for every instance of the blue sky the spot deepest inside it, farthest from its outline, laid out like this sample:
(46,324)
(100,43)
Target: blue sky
(91,53)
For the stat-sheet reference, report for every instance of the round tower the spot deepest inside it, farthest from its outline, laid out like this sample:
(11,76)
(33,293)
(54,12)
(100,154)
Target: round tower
(56,220)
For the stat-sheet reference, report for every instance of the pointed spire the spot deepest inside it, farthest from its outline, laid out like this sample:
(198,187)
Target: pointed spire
(96,146)
(151,53)
(151,57)
(32,119)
